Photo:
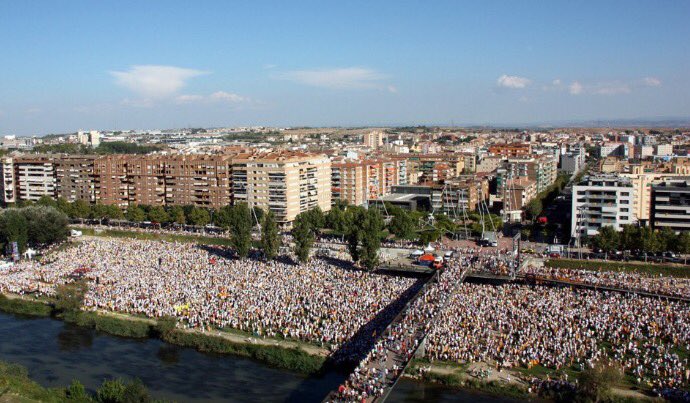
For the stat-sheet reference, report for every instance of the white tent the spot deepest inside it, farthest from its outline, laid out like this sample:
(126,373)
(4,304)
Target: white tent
(29,253)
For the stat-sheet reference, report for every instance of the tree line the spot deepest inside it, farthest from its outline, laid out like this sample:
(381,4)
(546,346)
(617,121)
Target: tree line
(105,148)
(34,226)
(642,239)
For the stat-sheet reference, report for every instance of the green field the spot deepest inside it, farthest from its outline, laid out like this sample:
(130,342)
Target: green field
(641,267)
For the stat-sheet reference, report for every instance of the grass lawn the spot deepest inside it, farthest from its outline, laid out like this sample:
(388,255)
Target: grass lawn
(641,267)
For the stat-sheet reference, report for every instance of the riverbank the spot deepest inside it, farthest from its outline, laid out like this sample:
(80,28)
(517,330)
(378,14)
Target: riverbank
(505,383)
(284,354)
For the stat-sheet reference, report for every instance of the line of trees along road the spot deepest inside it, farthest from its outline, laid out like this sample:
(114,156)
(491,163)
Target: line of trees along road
(643,239)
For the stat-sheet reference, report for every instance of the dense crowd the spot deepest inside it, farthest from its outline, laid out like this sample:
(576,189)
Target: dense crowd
(402,338)
(320,302)
(628,280)
(519,325)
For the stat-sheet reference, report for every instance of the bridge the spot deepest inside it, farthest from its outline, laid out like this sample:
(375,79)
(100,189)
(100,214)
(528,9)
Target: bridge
(402,340)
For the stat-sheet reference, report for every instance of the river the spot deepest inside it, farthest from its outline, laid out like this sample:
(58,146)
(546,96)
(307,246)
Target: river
(57,352)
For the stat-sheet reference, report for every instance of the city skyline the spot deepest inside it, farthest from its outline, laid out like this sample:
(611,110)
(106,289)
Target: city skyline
(158,65)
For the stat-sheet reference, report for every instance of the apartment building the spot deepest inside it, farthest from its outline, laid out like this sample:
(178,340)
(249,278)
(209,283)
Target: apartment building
(518,192)
(357,181)
(111,182)
(598,201)
(543,170)
(514,150)
(8,188)
(287,183)
(34,177)
(374,139)
(671,205)
(74,178)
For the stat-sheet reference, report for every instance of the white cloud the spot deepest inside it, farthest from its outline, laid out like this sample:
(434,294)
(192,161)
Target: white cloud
(512,81)
(575,88)
(611,89)
(226,96)
(186,99)
(339,78)
(392,89)
(652,81)
(556,82)
(155,82)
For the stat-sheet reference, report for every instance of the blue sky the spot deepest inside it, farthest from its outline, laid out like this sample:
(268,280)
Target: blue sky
(72,65)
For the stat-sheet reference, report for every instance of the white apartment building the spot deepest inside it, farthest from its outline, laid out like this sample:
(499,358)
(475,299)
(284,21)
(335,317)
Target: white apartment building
(34,177)
(373,139)
(8,182)
(286,183)
(600,201)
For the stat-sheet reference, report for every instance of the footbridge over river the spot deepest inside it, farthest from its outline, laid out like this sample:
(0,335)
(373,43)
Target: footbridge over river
(403,339)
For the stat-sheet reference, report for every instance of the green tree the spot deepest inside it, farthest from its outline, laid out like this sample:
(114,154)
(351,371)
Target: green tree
(176,214)
(402,225)
(158,214)
(99,211)
(81,209)
(316,218)
(47,201)
(14,228)
(354,217)
(303,235)
(595,384)
(135,214)
(46,225)
(270,238)
(114,212)
(666,239)
(199,216)
(648,241)
(241,229)
(136,392)
(63,205)
(371,239)
(223,217)
(111,391)
(77,392)
(606,239)
(534,208)
(630,238)
(683,244)
(335,220)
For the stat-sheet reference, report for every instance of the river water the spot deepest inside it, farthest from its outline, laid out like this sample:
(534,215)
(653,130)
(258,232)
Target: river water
(57,352)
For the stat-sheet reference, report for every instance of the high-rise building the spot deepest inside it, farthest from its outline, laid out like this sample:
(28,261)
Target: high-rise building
(357,181)
(600,201)
(373,139)
(286,183)
(671,205)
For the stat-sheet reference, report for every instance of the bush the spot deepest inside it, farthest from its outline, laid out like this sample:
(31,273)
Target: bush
(111,391)
(292,359)
(122,327)
(76,391)
(23,307)
(595,384)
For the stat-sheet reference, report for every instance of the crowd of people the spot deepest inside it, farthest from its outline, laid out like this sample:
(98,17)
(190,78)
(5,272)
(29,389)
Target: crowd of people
(320,302)
(556,327)
(627,280)
(384,362)
(327,302)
